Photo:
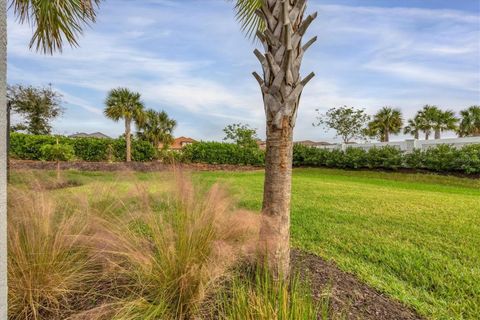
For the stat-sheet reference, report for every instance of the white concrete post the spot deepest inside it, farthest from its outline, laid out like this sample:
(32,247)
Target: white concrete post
(3,159)
(410,145)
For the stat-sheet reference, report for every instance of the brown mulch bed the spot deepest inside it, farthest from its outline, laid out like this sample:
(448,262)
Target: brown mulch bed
(349,297)
(123,166)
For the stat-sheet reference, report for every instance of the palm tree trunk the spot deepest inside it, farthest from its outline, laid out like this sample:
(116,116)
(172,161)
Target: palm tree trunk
(387,136)
(437,134)
(128,140)
(427,135)
(275,231)
(3,162)
(416,136)
(282,87)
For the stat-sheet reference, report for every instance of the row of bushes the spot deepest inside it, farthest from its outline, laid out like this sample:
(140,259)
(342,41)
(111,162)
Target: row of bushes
(29,147)
(443,158)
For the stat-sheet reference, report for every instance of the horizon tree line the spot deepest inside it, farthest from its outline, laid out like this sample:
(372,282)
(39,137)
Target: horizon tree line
(350,123)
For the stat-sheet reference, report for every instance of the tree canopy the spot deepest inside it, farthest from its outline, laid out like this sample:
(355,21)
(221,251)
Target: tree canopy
(241,134)
(348,122)
(38,106)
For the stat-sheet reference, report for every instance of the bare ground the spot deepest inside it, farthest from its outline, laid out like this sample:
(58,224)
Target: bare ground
(349,298)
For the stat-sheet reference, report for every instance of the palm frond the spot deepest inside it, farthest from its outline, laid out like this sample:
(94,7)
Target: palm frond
(55,21)
(249,21)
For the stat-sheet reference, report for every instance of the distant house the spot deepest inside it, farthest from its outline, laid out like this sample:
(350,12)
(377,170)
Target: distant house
(89,135)
(262,145)
(310,143)
(179,143)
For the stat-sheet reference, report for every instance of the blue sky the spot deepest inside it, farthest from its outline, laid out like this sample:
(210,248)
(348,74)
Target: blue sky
(190,59)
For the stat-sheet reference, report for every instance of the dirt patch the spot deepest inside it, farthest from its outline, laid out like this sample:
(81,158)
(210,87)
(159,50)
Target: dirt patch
(123,166)
(350,298)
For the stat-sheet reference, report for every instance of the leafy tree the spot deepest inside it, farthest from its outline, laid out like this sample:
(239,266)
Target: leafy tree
(57,152)
(414,126)
(280,27)
(37,105)
(157,128)
(348,122)
(470,122)
(121,103)
(385,122)
(241,134)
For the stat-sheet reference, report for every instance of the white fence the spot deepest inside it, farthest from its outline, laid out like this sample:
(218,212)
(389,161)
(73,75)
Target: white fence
(407,145)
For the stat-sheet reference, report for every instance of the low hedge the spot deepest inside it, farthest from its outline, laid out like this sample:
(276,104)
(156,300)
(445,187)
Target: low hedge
(222,153)
(442,158)
(29,147)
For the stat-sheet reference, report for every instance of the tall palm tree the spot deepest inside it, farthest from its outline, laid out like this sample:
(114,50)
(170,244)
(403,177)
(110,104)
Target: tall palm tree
(157,128)
(429,114)
(414,126)
(121,103)
(279,26)
(385,122)
(444,121)
(470,122)
(53,23)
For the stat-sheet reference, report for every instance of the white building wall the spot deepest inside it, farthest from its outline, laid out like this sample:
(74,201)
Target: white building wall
(407,145)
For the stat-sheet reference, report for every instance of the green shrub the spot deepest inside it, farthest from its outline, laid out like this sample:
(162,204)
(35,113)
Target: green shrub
(384,158)
(93,149)
(309,156)
(57,152)
(170,156)
(414,160)
(469,159)
(141,150)
(27,147)
(443,157)
(354,158)
(222,153)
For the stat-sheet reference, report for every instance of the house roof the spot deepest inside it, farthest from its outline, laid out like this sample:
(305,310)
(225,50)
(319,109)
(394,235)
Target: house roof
(178,143)
(312,143)
(89,135)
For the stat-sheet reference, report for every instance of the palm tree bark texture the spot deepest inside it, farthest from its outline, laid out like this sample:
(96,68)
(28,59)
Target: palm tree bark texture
(282,86)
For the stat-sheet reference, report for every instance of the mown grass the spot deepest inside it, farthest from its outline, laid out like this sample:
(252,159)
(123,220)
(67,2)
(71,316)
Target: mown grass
(415,237)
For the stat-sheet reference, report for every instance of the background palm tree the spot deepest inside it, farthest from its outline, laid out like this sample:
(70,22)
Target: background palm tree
(444,121)
(53,22)
(414,126)
(157,128)
(121,103)
(470,122)
(279,26)
(385,122)
(429,114)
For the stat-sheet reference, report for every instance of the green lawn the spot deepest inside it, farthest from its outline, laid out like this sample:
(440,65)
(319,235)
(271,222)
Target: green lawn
(415,237)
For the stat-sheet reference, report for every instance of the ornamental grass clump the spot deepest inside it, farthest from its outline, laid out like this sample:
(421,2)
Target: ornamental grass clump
(258,295)
(49,267)
(168,257)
